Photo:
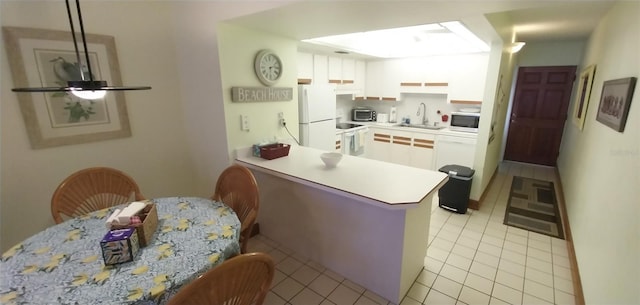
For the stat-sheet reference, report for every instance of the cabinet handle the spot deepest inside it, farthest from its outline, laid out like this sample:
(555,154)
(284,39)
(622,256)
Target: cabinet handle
(421,141)
(423,146)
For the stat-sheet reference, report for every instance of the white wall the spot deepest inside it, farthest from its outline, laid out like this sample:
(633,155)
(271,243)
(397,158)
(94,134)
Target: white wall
(554,53)
(600,170)
(200,77)
(156,155)
(238,48)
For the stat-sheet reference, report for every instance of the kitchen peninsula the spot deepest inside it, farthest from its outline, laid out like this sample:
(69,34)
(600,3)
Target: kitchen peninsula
(365,219)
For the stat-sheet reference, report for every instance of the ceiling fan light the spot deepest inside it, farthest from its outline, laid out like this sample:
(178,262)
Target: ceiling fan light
(89,94)
(89,90)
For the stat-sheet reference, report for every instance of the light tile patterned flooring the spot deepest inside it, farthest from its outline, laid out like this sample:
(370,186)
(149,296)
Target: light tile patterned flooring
(471,259)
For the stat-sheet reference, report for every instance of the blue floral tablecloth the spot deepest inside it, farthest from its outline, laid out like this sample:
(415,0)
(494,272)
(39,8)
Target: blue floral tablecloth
(64,265)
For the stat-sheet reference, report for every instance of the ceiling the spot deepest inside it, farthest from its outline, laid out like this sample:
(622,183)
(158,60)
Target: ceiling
(534,21)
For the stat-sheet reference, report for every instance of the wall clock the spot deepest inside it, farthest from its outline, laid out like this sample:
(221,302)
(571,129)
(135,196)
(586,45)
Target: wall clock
(268,67)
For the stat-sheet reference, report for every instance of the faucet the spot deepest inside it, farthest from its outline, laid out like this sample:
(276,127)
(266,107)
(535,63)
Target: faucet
(425,120)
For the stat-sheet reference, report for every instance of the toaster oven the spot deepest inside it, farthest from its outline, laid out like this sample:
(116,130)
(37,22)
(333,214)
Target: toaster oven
(363,115)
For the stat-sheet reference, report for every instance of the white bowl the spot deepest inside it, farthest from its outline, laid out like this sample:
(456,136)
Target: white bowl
(331,159)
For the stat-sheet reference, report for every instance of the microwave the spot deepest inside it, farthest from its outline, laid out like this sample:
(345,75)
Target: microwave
(363,115)
(465,121)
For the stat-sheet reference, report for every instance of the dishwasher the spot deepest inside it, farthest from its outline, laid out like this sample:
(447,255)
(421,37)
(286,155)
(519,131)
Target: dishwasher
(455,150)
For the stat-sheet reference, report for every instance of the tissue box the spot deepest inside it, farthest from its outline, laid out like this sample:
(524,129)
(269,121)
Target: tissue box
(149,224)
(119,246)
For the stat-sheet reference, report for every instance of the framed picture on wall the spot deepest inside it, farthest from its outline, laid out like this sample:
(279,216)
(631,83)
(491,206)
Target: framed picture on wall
(584,93)
(46,58)
(615,102)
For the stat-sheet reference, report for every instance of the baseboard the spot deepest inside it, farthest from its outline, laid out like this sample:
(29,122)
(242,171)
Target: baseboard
(475,204)
(575,273)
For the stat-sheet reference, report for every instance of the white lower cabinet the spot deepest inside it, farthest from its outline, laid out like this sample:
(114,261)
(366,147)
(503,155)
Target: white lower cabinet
(379,144)
(339,142)
(401,147)
(422,150)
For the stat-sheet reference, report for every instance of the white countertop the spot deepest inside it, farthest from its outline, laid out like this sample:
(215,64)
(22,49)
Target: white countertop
(380,183)
(395,126)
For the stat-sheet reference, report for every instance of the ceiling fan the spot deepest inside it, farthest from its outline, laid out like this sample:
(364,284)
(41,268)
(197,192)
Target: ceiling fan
(86,87)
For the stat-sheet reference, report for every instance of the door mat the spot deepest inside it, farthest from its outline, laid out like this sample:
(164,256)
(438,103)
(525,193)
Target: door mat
(533,206)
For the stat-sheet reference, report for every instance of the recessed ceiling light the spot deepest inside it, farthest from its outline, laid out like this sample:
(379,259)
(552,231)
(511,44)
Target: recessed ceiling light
(423,40)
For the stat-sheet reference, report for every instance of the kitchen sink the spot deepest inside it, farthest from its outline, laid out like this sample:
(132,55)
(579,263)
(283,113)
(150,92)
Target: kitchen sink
(422,126)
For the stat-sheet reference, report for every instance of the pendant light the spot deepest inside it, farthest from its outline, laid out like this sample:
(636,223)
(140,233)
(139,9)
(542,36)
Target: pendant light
(86,87)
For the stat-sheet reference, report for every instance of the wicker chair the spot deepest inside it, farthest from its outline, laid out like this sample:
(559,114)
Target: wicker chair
(237,188)
(92,189)
(242,280)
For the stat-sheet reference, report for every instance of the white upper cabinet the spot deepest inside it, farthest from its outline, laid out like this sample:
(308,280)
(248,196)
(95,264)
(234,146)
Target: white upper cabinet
(468,83)
(342,71)
(320,69)
(348,74)
(360,78)
(461,77)
(382,81)
(335,70)
(305,66)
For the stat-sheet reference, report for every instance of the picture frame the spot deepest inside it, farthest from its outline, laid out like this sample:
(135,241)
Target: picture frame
(615,102)
(583,95)
(46,58)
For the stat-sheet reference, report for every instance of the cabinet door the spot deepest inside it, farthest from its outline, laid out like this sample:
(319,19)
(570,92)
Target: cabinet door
(392,74)
(401,148)
(339,143)
(305,66)
(348,71)
(380,145)
(468,83)
(335,70)
(422,150)
(359,81)
(320,69)
(374,80)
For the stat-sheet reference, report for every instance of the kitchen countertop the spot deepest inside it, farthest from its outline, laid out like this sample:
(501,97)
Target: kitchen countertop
(383,184)
(396,126)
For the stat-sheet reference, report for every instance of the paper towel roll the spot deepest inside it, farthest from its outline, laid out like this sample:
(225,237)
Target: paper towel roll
(393,115)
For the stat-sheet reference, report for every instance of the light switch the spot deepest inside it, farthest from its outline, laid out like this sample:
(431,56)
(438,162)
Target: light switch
(244,125)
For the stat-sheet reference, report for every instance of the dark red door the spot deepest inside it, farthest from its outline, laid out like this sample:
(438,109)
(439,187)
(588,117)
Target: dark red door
(538,114)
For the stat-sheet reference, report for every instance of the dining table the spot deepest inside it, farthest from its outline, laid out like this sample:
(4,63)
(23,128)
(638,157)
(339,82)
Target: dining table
(64,265)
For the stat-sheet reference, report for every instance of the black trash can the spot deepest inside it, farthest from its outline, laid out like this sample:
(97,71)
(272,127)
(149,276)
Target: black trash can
(454,195)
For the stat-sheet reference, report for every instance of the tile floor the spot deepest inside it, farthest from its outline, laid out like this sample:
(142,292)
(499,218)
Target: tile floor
(471,259)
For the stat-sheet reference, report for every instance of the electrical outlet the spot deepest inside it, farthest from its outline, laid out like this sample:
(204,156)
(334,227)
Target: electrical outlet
(244,125)
(281,119)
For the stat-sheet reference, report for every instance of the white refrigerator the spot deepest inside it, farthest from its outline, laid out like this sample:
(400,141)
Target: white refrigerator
(317,116)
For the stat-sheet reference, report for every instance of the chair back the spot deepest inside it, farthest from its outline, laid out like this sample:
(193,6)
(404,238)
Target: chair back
(92,189)
(242,280)
(237,188)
